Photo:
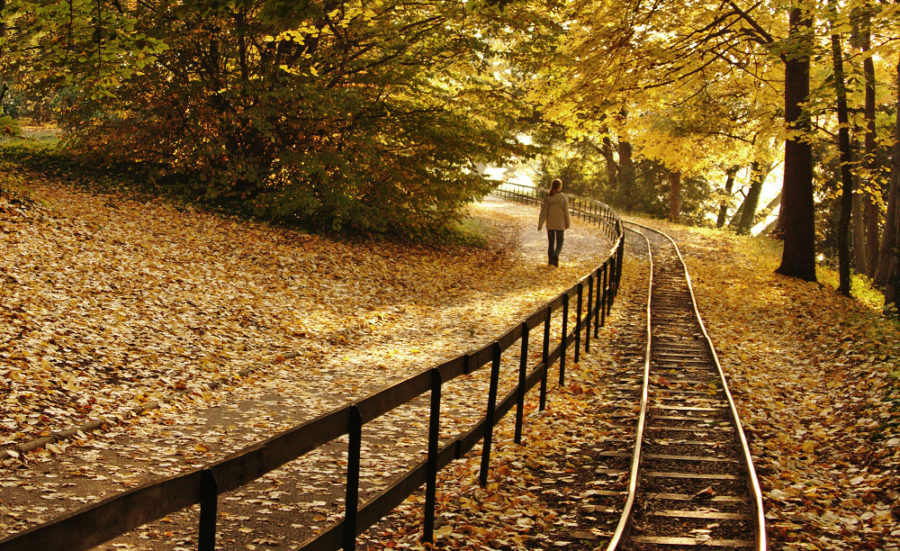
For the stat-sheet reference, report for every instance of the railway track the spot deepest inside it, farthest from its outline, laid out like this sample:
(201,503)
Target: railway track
(690,479)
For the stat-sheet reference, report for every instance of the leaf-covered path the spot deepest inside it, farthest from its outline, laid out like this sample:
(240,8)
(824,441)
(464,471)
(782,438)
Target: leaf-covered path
(814,374)
(237,330)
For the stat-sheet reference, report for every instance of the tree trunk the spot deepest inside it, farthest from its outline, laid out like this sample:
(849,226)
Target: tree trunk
(612,168)
(859,230)
(778,227)
(3,87)
(843,232)
(748,214)
(871,219)
(767,210)
(674,177)
(889,265)
(770,229)
(723,207)
(626,173)
(738,214)
(240,19)
(870,160)
(797,208)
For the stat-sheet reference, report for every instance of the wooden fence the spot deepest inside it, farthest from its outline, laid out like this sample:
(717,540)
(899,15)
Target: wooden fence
(119,514)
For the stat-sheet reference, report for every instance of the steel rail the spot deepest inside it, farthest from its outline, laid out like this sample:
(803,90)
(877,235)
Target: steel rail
(624,520)
(752,479)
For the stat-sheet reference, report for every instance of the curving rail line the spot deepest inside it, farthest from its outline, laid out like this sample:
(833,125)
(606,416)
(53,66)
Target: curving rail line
(691,481)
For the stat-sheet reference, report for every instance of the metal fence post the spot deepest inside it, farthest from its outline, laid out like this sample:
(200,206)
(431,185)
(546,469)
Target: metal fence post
(590,313)
(520,391)
(601,277)
(605,300)
(578,322)
(620,257)
(351,502)
(489,418)
(564,343)
(209,504)
(434,428)
(545,358)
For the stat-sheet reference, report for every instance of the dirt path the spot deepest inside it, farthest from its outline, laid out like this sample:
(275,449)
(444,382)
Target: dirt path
(413,325)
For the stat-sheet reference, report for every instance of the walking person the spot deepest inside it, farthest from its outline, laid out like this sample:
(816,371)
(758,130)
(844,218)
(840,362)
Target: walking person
(555,212)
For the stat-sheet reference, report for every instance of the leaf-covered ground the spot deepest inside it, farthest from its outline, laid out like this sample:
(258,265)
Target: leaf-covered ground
(815,376)
(238,330)
(817,379)
(108,303)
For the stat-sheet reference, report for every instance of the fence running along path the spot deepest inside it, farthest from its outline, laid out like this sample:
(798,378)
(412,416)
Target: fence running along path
(593,297)
(691,480)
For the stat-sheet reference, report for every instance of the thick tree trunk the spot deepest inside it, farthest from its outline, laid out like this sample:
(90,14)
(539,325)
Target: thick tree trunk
(723,207)
(674,177)
(748,213)
(843,232)
(797,208)
(889,267)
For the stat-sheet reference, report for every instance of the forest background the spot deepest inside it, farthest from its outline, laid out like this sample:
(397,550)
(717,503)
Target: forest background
(382,117)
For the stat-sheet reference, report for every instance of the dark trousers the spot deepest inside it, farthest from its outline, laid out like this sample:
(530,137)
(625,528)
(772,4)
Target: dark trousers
(555,243)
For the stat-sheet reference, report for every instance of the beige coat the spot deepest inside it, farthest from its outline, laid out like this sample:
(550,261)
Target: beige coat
(555,212)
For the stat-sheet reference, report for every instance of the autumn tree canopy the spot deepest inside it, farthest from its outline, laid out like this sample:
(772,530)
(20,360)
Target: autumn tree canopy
(377,115)
(335,113)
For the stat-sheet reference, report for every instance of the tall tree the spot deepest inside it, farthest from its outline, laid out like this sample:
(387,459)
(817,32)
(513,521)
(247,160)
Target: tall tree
(846,159)
(758,175)
(860,260)
(674,178)
(871,212)
(797,209)
(620,171)
(889,267)
(3,86)
(723,206)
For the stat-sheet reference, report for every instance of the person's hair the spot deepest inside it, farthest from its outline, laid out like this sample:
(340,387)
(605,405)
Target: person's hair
(555,186)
